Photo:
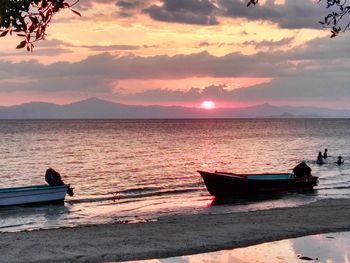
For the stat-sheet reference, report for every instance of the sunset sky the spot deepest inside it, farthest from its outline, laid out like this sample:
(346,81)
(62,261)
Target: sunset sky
(182,52)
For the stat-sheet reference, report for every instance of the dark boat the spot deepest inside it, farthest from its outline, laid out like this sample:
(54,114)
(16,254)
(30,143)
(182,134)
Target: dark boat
(221,184)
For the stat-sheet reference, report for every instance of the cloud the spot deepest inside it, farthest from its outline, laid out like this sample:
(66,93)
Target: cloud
(86,4)
(48,47)
(104,48)
(122,8)
(263,64)
(97,73)
(258,45)
(204,44)
(49,52)
(46,78)
(292,14)
(127,4)
(281,89)
(302,88)
(128,8)
(199,12)
(61,46)
(318,70)
(269,44)
(167,95)
(176,67)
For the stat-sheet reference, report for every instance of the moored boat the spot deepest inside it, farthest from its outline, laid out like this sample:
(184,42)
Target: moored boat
(32,194)
(54,191)
(222,184)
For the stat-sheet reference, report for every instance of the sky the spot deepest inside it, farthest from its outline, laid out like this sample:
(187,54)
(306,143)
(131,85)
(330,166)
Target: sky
(182,52)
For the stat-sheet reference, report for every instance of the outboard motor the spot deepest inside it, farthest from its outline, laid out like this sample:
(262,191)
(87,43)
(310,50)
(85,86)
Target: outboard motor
(53,178)
(302,170)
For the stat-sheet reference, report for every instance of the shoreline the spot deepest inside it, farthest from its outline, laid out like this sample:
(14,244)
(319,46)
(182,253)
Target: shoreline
(175,235)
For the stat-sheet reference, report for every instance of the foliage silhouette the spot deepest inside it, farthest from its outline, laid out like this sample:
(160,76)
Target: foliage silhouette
(29,19)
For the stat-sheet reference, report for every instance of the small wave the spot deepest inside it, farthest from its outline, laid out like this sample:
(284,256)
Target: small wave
(133,194)
(335,187)
(16,225)
(90,199)
(160,193)
(139,189)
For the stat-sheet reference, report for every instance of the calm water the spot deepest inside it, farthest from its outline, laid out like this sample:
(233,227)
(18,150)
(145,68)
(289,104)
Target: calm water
(134,170)
(327,248)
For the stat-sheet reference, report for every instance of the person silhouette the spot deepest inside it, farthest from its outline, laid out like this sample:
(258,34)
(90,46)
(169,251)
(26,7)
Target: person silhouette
(340,160)
(325,154)
(319,158)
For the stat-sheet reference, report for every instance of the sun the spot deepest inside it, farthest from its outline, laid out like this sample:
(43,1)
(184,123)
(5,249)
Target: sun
(208,105)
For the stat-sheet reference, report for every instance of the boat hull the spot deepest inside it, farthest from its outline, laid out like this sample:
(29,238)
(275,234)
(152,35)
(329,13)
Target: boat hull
(222,185)
(32,194)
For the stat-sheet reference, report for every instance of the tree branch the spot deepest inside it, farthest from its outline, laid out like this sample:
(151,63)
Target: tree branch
(29,18)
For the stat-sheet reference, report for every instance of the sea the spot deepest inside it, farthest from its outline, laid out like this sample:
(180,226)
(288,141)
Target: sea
(130,171)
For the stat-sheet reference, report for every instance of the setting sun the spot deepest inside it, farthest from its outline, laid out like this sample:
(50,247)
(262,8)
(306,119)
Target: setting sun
(208,105)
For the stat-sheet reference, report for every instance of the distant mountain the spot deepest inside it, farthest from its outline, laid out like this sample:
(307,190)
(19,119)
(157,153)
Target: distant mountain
(95,108)
(287,115)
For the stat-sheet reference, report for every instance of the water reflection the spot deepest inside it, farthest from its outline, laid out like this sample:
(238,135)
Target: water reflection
(18,218)
(261,202)
(262,197)
(325,248)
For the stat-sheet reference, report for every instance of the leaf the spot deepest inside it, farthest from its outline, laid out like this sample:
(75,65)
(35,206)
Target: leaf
(76,12)
(336,29)
(4,33)
(38,34)
(44,4)
(34,20)
(22,44)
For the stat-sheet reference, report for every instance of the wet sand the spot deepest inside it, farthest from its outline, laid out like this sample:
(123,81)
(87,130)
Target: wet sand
(174,235)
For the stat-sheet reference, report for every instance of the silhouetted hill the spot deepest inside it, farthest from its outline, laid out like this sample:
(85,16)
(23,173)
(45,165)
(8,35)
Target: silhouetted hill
(94,108)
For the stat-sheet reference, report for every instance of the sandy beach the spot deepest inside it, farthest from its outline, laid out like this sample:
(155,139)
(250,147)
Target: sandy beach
(175,235)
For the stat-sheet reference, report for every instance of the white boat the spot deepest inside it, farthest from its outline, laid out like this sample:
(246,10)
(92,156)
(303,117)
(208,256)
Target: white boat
(32,194)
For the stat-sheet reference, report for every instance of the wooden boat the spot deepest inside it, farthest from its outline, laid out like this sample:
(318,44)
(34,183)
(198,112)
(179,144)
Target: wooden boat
(32,194)
(221,184)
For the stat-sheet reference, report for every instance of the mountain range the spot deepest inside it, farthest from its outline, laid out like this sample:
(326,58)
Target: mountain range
(94,108)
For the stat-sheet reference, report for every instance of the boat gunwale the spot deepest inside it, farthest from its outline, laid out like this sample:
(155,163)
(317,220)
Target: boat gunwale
(251,174)
(245,176)
(30,188)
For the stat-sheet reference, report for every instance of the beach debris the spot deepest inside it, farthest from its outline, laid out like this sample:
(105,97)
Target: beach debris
(306,258)
(115,197)
(135,221)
